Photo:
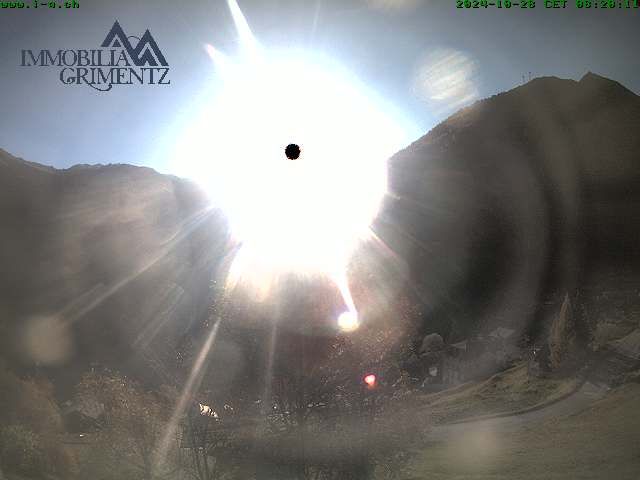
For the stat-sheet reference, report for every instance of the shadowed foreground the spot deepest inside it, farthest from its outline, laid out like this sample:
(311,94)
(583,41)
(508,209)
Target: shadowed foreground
(600,442)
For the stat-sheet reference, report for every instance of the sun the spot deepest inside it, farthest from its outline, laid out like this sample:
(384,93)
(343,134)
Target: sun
(307,215)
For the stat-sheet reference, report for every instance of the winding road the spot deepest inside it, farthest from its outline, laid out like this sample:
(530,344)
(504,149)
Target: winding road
(581,399)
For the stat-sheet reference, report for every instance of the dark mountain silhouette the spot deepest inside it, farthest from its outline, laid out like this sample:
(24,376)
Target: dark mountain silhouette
(510,201)
(122,255)
(516,199)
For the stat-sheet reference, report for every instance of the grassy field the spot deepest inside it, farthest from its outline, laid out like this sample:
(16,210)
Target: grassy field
(507,391)
(602,442)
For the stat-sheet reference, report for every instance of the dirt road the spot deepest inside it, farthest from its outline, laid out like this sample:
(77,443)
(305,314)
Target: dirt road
(576,402)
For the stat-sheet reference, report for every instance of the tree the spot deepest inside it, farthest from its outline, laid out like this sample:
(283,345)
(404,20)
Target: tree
(30,426)
(563,337)
(131,427)
(214,445)
(325,422)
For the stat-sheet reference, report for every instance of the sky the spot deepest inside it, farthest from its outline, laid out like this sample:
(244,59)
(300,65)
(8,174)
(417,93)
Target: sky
(424,58)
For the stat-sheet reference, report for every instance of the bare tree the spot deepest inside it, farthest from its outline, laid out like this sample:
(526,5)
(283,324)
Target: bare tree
(325,422)
(132,424)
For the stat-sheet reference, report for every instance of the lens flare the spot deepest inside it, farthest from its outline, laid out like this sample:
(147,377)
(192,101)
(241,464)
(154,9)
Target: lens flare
(370,380)
(348,321)
(303,216)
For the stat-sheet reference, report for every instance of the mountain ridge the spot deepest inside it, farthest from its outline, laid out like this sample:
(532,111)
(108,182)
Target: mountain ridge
(103,248)
(510,200)
(524,192)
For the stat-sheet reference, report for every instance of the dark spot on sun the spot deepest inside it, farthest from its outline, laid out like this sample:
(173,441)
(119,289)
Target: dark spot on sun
(292,151)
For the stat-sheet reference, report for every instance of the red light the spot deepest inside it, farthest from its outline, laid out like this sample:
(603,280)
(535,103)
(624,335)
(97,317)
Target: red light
(370,380)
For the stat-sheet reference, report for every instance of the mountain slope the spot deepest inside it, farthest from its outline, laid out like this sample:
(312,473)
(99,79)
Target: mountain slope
(517,197)
(511,201)
(99,263)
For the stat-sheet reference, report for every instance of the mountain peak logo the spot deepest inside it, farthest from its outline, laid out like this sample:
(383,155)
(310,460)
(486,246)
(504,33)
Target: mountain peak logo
(118,61)
(146,52)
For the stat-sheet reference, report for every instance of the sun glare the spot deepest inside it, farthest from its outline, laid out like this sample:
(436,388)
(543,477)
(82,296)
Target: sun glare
(304,215)
(348,321)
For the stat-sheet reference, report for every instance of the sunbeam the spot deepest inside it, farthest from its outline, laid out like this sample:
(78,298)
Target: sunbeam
(305,216)
(98,296)
(186,397)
